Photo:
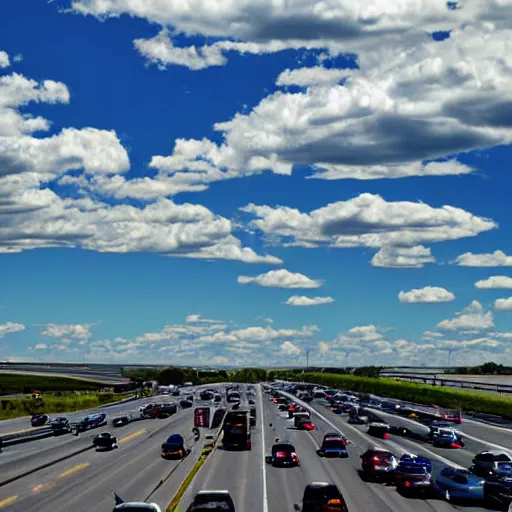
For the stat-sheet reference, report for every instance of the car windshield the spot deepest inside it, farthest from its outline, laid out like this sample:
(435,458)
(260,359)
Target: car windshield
(505,467)
(412,470)
(322,494)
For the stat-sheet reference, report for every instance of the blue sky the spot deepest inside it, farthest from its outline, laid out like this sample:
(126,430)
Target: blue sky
(151,158)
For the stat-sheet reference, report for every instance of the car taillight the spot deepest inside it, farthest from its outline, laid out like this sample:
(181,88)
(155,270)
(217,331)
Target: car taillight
(376,459)
(455,445)
(295,458)
(385,436)
(407,483)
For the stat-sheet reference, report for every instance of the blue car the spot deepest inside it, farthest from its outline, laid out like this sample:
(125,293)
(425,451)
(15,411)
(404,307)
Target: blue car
(448,438)
(458,484)
(413,473)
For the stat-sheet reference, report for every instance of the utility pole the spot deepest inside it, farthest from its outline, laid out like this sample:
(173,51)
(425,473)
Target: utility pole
(307,357)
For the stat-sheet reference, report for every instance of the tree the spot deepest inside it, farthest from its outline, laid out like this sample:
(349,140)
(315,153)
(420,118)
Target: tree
(171,375)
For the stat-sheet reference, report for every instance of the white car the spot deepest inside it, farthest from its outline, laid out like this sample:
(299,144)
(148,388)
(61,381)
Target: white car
(134,506)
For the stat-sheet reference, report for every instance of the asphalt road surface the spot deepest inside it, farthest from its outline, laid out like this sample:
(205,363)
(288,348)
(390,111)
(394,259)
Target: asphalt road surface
(136,471)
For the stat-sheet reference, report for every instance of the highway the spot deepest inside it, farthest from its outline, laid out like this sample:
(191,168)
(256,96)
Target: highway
(87,481)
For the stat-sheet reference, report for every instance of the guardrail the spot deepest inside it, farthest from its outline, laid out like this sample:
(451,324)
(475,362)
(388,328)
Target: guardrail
(452,383)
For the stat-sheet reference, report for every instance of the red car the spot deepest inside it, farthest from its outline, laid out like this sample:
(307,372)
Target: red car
(377,462)
(305,424)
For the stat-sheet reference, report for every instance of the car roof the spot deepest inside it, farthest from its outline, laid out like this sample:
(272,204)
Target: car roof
(151,507)
(216,492)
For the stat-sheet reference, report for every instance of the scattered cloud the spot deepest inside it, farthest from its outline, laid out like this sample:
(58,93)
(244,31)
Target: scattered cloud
(4,60)
(428,294)
(71,331)
(289,349)
(41,346)
(403,257)
(503,304)
(495,259)
(495,283)
(10,327)
(368,221)
(317,75)
(301,300)
(281,278)
(470,318)
(198,319)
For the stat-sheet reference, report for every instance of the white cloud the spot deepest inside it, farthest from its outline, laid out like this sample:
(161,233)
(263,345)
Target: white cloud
(73,331)
(281,278)
(471,318)
(323,347)
(403,257)
(495,283)
(503,304)
(219,360)
(41,346)
(428,294)
(289,349)
(4,60)
(301,300)
(198,319)
(431,335)
(494,259)
(10,327)
(317,75)
(367,221)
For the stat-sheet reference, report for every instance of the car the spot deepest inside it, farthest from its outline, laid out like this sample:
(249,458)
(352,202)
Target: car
(298,416)
(334,445)
(398,430)
(134,506)
(186,404)
(283,454)
(208,501)
(59,423)
(38,420)
(305,424)
(379,463)
(217,398)
(105,441)
(413,473)
(251,401)
(320,497)
(454,483)
(120,421)
(174,447)
(447,438)
(492,465)
(380,430)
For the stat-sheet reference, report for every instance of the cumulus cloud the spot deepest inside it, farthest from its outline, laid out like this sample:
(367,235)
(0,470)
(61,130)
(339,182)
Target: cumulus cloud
(368,220)
(301,300)
(495,259)
(376,124)
(495,283)
(281,278)
(72,331)
(289,349)
(428,294)
(198,319)
(471,318)
(41,346)
(4,59)
(403,257)
(503,304)
(10,327)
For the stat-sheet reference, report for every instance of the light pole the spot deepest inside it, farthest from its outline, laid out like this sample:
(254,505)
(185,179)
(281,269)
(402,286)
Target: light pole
(307,358)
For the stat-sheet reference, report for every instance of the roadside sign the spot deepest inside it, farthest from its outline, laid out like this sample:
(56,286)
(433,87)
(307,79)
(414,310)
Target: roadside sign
(202,417)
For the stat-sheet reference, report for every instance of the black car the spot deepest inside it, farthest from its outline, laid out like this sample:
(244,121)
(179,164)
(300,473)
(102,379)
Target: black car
(283,455)
(322,496)
(498,492)
(492,465)
(120,421)
(39,420)
(59,423)
(186,404)
(105,441)
(208,501)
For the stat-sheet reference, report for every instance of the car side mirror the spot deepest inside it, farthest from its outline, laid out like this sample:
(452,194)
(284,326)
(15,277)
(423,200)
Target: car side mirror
(296,507)
(268,459)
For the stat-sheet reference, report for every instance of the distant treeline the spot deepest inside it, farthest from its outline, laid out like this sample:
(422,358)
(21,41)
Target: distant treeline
(483,369)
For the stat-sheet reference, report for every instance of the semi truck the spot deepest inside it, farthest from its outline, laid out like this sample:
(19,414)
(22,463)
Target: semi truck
(237,430)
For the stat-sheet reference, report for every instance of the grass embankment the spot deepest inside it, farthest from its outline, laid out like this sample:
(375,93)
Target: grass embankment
(466,400)
(16,407)
(26,383)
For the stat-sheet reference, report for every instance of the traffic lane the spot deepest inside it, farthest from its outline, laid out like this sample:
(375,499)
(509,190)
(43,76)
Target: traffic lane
(239,472)
(399,445)
(87,481)
(475,442)
(17,459)
(286,485)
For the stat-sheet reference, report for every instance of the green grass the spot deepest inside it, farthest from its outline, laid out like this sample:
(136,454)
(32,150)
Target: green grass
(25,383)
(468,401)
(16,407)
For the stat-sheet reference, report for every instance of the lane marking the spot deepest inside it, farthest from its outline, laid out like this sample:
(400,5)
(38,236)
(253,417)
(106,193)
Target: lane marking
(41,487)
(8,501)
(132,436)
(263,451)
(74,469)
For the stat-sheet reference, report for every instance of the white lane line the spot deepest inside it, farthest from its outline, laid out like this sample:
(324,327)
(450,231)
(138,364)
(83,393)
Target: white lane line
(263,448)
